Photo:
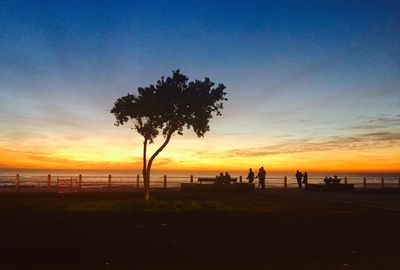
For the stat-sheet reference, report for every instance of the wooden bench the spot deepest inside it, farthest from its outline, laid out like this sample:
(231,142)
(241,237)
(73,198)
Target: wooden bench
(216,187)
(213,180)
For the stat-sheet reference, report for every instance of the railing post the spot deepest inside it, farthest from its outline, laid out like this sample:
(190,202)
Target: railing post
(398,183)
(240,179)
(17,181)
(365,182)
(382,182)
(345,179)
(285,182)
(49,181)
(191,179)
(165,181)
(109,181)
(80,181)
(137,181)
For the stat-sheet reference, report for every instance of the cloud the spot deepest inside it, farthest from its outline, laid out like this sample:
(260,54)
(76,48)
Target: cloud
(379,123)
(383,136)
(357,142)
(386,120)
(367,126)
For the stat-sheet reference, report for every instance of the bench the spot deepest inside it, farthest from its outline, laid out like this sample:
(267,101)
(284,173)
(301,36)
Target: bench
(214,186)
(213,180)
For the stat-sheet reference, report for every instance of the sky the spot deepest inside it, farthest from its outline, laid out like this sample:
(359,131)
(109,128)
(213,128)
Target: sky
(312,85)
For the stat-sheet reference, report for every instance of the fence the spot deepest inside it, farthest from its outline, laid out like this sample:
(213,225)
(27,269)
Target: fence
(110,182)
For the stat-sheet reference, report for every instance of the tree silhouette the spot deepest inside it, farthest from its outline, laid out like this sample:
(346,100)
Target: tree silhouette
(168,107)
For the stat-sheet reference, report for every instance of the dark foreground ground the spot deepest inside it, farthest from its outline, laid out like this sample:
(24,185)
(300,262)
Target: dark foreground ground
(207,230)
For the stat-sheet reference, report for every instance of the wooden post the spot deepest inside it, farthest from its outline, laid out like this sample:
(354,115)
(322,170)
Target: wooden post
(49,181)
(165,181)
(109,181)
(365,182)
(345,180)
(17,181)
(382,182)
(137,181)
(80,181)
(398,183)
(240,179)
(285,182)
(191,179)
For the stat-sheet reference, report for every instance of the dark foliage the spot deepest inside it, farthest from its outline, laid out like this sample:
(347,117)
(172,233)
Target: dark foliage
(170,105)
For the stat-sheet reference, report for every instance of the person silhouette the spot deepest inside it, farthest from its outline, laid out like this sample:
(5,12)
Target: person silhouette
(305,178)
(220,179)
(261,177)
(227,178)
(250,176)
(299,175)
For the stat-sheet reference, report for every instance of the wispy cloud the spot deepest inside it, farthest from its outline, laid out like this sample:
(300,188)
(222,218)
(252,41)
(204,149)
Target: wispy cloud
(357,142)
(379,123)
(386,120)
(367,127)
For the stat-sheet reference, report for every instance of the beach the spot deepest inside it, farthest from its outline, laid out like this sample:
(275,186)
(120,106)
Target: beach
(197,230)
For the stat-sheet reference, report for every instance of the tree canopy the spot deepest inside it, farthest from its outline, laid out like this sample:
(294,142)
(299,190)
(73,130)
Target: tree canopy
(169,106)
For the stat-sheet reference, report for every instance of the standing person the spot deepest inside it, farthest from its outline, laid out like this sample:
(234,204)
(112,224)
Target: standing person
(250,176)
(299,175)
(261,177)
(305,178)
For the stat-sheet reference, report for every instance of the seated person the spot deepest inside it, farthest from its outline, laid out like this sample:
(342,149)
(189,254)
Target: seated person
(326,180)
(330,180)
(227,178)
(336,180)
(220,179)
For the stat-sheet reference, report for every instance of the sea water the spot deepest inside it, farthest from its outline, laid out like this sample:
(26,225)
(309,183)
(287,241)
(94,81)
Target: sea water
(99,178)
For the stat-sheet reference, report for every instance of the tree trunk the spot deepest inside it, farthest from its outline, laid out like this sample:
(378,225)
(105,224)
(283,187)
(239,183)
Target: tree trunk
(147,167)
(146,179)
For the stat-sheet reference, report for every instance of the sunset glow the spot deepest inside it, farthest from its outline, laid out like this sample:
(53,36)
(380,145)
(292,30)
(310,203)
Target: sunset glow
(318,96)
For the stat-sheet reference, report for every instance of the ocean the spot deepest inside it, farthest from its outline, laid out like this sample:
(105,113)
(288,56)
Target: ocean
(100,178)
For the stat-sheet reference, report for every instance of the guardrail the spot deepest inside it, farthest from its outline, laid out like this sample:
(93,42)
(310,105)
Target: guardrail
(110,182)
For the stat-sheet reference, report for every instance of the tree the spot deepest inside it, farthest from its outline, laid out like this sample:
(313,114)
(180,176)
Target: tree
(168,107)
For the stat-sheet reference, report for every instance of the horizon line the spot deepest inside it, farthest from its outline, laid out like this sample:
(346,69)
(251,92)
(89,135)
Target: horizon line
(202,170)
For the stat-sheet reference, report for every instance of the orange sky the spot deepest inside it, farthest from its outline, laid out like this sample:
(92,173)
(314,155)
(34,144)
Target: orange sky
(122,150)
(312,87)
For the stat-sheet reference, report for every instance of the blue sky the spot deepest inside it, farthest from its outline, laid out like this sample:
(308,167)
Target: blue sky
(294,70)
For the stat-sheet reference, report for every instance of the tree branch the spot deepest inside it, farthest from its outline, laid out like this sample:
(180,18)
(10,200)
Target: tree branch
(158,152)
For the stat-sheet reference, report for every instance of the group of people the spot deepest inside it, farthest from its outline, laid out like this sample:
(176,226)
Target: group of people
(261,177)
(223,179)
(302,178)
(329,180)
